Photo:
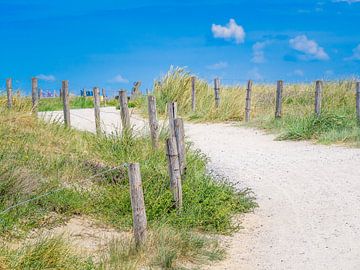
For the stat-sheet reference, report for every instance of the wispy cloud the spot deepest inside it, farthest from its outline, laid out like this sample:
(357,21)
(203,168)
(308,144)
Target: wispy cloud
(309,48)
(119,79)
(254,74)
(258,51)
(48,78)
(356,54)
(347,1)
(231,31)
(217,66)
(298,72)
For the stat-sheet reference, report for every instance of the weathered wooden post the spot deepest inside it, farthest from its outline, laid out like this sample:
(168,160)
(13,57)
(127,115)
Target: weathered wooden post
(279,92)
(248,101)
(137,204)
(18,94)
(216,91)
(318,93)
(97,110)
(9,93)
(34,94)
(61,94)
(174,171)
(193,96)
(180,142)
(124,110)
(153,122)
(65,98)
(358,101)
(84,92)
(172,113)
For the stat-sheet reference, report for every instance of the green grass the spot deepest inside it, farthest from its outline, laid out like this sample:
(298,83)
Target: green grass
(37,157)
(337,124)
(55,104)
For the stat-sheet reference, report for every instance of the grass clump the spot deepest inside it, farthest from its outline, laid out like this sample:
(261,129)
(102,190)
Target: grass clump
(37,158)
(337,123)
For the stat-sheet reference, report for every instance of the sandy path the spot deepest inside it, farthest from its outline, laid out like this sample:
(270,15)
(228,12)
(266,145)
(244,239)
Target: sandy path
(308,195)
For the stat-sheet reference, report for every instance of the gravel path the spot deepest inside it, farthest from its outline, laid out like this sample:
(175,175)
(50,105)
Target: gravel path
(308,195)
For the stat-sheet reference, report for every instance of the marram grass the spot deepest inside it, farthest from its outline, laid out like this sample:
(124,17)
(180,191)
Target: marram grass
(337,123)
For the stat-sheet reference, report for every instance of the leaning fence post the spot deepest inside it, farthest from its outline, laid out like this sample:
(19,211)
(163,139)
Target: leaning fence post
(318,92)
(97,110)
(9,93)
(248,101)
(172,113)
(279,92)
(65,98)
(358,101)
(34,93)
(124,110)
(137,204)
(153,123)
(216,91)
(180,142)
(193,97)
(174,171)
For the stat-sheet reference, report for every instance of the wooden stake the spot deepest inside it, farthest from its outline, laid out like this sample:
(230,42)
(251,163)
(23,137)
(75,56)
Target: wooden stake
(65,98)
(174,171)
(172,113)
(216,91)
(137,204)
(193,97)
(358,101)
(34,94)
(9,93)
(124,110)
(279,92)
(248,101)
(318,93)
(153,122)
(180,142)
(96,92)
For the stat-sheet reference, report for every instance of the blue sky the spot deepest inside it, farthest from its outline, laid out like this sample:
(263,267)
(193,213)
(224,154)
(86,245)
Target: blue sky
(113,43)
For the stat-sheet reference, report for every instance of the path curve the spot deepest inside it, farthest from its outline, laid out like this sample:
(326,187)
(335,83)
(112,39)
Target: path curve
(308,195)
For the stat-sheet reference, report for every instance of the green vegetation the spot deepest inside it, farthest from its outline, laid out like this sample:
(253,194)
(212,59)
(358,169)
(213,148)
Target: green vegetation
(55,104)
(337,124)
(37,157)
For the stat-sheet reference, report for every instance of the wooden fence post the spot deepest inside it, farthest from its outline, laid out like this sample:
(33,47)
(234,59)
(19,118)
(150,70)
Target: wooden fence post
(96,92)
(9,93)
(103,93)
(358,101)
(318,93)
(124,110)
(84,92)
(137,204)
(153,122)
(248,101)
(174,171)
(34,94)
(180,142)
(216,91)
(172,113)
(279,92)
(193,96)
(61,94)
(65,98)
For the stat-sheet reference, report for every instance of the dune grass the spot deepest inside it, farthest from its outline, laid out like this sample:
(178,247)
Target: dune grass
(38,157)
(337,123)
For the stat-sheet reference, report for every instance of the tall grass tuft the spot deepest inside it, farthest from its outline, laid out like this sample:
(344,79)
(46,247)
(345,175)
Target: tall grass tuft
(337,123)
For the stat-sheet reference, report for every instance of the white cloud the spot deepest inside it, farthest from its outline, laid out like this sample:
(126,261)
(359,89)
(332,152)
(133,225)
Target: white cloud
(118,79)
(231,31)
(356,54)
(298,72)
(254,74)
(48,78)
(217,66)
(258,51)
(309,47)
